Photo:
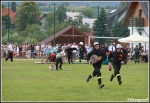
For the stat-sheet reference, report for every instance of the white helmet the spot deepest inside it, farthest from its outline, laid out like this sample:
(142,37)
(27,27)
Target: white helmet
(81,43)
(96,43)
(118,46)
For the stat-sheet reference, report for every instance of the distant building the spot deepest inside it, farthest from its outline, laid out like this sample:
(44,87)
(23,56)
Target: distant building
(117,12)
(85,19)
(12,13)
(139,12)
(89,21)
(69,34)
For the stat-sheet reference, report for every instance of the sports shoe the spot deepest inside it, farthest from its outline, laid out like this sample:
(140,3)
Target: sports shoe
(111,78)
(88,78)
(120,82)
(101,85)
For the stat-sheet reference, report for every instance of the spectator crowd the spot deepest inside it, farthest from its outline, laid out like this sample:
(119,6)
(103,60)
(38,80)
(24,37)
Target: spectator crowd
(32,51)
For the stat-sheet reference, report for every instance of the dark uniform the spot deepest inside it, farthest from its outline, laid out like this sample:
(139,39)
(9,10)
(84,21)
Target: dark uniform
(117,57)
(82,51)
(10,53)
(97,66)
(59,61)
(125,52)
(69,54)
(136,55)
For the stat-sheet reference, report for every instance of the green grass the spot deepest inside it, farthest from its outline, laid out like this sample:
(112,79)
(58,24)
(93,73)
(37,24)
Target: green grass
(22,80)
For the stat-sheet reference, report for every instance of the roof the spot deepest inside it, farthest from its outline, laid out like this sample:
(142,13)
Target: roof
(61,32)
(11,14)
(144,6)
(116,12)
(113,11)
(72,14)
(131,8)
(41,17)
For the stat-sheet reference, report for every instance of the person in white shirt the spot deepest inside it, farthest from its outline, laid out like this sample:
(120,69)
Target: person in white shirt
(42,47)
(74,52)
(86,47)
(63,54)
(64,46)
(50,46)
(111,48)
(10,52)
(37,50)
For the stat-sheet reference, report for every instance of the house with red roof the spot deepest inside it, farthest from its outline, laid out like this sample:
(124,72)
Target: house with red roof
(11,11)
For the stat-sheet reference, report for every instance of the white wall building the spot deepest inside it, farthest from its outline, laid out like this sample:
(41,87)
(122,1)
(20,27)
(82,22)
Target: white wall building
(85,19)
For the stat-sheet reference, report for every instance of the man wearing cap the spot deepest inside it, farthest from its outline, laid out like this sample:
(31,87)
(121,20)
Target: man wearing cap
(10,52)
(97,66)
(118,58)
(82,51)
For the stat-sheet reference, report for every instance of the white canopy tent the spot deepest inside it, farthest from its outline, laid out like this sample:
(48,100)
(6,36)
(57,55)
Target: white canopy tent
(135,38)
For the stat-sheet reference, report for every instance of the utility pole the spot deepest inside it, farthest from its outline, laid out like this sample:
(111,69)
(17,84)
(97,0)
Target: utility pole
(132,29)
(140,13)
(98,21)
(54,25)
(8,22)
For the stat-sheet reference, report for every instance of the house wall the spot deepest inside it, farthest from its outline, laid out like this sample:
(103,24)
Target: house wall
(146,26)
(136,12)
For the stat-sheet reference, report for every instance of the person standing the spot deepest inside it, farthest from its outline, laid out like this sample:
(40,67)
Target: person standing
(10,52)
(136,54)
(82,51)
(97,66)
(103,48)
(69,50)
(111,48)
(118,57)
(74,52)
(59,61)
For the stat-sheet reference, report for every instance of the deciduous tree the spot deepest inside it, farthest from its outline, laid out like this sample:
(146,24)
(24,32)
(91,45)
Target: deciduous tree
(27,14)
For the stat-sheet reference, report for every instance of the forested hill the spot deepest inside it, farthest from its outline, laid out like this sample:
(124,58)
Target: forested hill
(76,3)
(90,3)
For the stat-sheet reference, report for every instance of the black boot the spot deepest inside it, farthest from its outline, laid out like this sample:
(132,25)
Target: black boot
(100,83)
(80,61)
(119,79)
(56,66)
(71,61)
(88,78)
(135,61)
(6,59)
(60,66)
(111,78)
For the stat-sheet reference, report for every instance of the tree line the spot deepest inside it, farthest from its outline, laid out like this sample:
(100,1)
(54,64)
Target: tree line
(27,22)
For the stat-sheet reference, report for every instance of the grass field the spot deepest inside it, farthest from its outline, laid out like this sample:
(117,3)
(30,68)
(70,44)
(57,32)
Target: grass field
(22,80)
